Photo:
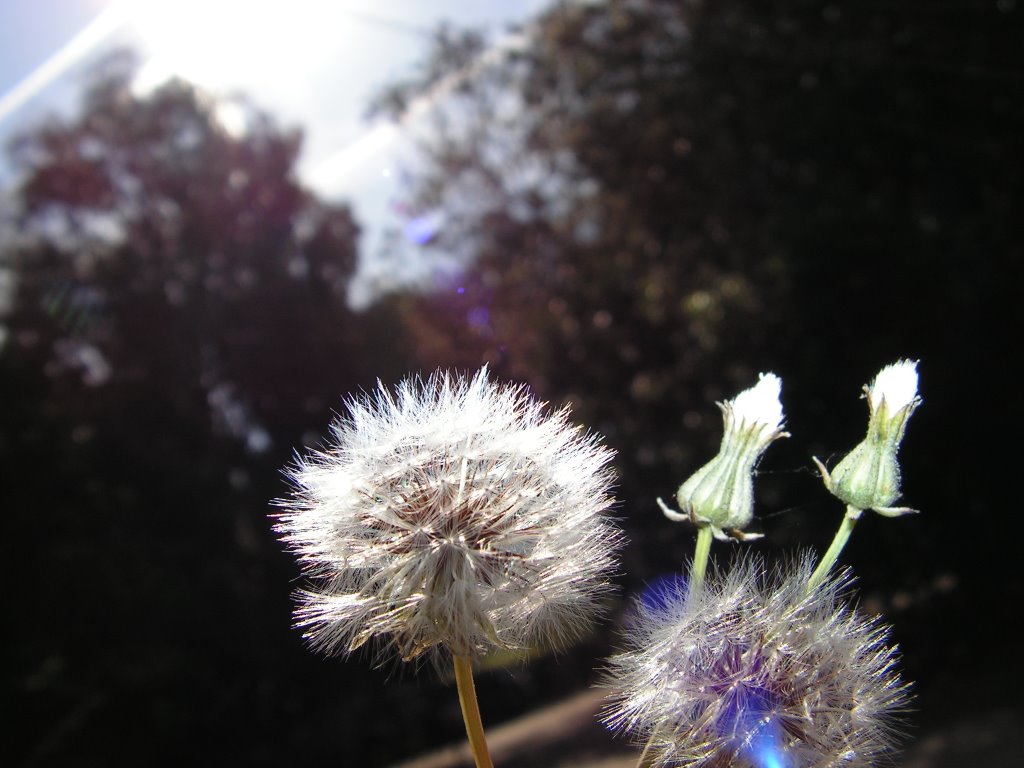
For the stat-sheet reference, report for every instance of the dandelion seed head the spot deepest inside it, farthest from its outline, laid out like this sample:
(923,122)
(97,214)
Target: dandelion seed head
(451,514)
(754,672)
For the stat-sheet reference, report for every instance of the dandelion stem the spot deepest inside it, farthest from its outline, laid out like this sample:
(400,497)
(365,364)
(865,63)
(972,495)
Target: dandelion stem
(845,529)
(700,558)
(471,712)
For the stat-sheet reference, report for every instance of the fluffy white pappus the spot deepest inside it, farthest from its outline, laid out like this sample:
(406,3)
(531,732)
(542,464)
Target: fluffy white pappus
(453,515)
(896,384)
(760,405)
(755,671)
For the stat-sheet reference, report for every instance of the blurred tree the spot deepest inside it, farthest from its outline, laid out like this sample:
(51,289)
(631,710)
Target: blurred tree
(178,325)
(615,250)
(653,200)
(162,253)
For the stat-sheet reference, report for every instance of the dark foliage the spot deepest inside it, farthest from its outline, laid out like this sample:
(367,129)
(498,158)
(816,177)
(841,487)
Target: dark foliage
(180,327)
(684,194)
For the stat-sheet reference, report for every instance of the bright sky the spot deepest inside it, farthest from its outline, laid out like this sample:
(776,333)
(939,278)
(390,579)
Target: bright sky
(30,32)
(312,63)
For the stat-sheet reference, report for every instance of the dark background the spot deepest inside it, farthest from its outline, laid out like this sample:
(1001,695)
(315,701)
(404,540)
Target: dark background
(685,195)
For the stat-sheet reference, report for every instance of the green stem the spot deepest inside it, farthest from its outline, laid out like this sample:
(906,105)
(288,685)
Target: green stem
(842,535)
(700,558)
(471,712)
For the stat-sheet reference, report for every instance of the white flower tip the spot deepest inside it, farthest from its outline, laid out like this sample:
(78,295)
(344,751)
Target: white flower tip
(760,404)
(896,384)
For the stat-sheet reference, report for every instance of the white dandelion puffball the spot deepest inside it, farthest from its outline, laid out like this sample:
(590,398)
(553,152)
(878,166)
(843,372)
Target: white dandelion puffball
(454,515)
(754,671)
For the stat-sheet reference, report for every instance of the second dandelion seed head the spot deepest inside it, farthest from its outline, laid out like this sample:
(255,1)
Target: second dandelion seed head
(755,671)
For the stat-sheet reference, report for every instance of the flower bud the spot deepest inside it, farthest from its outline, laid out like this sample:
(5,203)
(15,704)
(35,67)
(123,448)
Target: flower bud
(721,492)
(869,476)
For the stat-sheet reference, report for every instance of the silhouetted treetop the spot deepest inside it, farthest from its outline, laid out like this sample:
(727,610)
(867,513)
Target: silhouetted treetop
(166,238)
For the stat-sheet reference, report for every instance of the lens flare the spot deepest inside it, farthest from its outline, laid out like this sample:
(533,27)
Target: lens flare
(764,748)
(422,229)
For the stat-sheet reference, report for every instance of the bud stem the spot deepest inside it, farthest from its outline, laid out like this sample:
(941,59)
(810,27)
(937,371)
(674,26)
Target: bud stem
(471,712)
(700,558)
(842,535)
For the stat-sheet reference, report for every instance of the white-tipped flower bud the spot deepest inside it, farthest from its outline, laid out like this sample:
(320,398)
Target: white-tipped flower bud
(869,476)
(721,493)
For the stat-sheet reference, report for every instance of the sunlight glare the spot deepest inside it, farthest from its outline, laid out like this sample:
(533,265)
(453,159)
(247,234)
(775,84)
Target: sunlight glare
(219,43)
